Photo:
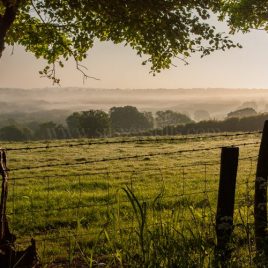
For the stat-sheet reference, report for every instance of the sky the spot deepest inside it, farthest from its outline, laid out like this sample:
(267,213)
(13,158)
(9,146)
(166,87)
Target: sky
(119,67)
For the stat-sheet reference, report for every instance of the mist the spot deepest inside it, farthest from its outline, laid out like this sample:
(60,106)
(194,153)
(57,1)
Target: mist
(57,103)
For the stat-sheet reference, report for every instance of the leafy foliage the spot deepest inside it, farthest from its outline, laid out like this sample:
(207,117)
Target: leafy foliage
(92,123)
(129,119)
(169,118)
(232,124)
(245,112)
(160,30)
(50,130)
(14,133)
(244,15)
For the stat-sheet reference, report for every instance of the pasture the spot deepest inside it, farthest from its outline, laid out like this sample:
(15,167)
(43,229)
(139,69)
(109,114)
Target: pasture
(128,202)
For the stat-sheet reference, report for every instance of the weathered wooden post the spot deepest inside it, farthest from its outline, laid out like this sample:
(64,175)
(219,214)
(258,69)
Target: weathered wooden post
(226,199)
(9,257)
(260,200)
(5,234)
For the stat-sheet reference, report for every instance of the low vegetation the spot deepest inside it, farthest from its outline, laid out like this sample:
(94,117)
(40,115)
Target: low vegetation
(145,211)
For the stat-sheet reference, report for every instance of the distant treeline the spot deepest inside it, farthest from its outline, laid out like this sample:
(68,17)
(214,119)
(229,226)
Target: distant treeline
(252,123)
(128,121)
(95,123)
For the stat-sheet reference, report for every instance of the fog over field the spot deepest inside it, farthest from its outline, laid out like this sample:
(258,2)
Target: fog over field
(218,102)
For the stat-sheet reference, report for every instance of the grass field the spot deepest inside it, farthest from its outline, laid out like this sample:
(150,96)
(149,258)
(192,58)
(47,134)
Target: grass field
(82,213)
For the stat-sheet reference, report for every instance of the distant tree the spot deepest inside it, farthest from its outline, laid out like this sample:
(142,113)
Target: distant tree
(249,104)
(13,133)
(32,125)
(149,116)
(129,119)
(73,123)
(46,131)
(92,123)
(201,115)
(233,124)
(51,130)
(171,118)
(246,112)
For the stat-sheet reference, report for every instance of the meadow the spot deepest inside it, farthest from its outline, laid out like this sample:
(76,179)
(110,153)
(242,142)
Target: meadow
(129,202)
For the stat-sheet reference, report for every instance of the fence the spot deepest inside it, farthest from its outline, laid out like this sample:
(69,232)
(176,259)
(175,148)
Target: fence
(71,196)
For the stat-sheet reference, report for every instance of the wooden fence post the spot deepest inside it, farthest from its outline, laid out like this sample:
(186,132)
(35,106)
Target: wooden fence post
(226,198)
(260,200)
(9,257)
(5,235)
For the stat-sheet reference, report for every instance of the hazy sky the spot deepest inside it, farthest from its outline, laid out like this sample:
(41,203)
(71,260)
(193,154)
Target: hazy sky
(120,67)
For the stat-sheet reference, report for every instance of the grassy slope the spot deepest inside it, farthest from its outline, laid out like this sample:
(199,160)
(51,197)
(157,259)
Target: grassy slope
(185,208)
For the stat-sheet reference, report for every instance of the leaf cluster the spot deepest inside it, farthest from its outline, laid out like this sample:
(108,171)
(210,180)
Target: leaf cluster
(160,30)
(244,15)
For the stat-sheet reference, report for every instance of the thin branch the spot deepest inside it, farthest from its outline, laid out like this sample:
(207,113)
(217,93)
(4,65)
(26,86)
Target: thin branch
(85,76)
(37,12)
(183,60)
(12,51)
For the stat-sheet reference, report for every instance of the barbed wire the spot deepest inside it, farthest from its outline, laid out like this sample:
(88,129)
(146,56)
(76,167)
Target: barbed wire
(107,172)
(131,157)
(142,140)
(107,200)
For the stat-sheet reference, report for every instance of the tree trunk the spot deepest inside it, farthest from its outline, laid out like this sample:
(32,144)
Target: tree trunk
(6,20)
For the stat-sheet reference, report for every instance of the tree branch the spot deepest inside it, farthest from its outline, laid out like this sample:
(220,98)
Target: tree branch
(37,12)
(85,76)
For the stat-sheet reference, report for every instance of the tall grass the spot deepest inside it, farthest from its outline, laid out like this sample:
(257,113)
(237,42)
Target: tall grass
(160,238)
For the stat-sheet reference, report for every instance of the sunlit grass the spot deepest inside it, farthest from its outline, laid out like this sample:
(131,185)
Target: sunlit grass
(80,213)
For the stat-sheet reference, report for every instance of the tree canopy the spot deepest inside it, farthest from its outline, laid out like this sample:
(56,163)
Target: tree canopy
(158,29)
(171,118)
(129,119)
(244,15)
(92,123)
(13,133)
(245,112)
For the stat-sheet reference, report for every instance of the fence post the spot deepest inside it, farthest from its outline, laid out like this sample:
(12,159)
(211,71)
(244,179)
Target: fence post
(9,257)
(5,234)
(260,200)
(226,198)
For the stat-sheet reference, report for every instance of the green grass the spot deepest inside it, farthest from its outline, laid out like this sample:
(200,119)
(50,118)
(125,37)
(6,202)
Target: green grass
(80,219)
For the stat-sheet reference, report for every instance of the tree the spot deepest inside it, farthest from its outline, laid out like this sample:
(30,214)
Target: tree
(46,131)
(244,15)
(73,122)
(129,119)
(150,118)
(246,112)
(51,130)
(92,123)
(13,133)
(160,30)
(171,118)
